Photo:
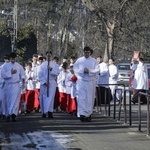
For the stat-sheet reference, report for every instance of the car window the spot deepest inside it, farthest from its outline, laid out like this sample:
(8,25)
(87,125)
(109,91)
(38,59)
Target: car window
(123,67)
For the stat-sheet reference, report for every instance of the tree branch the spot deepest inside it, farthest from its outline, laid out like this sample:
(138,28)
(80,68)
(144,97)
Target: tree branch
(89,4)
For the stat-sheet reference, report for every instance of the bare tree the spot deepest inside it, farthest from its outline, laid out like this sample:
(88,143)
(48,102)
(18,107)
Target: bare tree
(108,14)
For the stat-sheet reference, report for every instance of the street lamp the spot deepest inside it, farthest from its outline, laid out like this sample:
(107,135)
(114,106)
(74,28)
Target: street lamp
(11,23)
(14,37)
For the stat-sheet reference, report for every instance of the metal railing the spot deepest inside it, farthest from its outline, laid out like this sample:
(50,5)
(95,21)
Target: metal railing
(130,105)
(123,102)
(98,99)
(148,112)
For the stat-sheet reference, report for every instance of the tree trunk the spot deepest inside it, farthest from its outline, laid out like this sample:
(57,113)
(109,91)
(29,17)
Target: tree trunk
(66,41)
(110,38)
(105,58)
(109,25)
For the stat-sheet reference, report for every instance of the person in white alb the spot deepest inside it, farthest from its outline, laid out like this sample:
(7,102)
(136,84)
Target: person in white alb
(140,82)
(35,68)
(2,96)
(65,59)
(86,69)
(13,73)
(62,87)
(47,75)
(103,79)
(30,80)
(56,99)
(113,76)
(72,60)
(70,83)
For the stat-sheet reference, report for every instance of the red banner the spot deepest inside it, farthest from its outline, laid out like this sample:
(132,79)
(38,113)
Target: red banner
(136,55)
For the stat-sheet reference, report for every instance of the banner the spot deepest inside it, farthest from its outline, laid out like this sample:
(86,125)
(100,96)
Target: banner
(136,55)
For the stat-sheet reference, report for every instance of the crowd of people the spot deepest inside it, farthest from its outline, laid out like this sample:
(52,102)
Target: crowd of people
(45,86)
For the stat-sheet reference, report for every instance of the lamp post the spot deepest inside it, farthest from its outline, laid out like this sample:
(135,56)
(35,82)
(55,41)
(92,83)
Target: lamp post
(11,23)
(14,35)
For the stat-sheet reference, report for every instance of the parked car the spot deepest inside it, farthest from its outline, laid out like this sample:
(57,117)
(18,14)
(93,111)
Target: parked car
(124,73)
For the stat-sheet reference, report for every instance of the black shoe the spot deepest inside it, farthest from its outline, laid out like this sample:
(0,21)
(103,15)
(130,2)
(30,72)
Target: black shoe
(82,118)
(13,116)
(44,116)
(50,115)
(8,118)
(4,117)
(134,101)
(143,103)
(36,110)
(88,119)
(28,111)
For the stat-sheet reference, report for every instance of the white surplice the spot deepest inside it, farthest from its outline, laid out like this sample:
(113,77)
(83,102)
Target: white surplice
(70,86)
(61,81)
(12,88)
(47,102)
(113,76)
(103,77)
(140,81)
(30,83)
(85,87)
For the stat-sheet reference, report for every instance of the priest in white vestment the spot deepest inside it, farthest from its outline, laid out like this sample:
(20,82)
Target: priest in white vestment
(86,69)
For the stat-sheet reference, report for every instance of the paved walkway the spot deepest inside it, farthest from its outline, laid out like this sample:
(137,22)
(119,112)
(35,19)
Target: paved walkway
(103,133)
(106,134)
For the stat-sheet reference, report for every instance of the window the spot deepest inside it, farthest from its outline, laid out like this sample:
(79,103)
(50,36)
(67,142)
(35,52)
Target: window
(123,67)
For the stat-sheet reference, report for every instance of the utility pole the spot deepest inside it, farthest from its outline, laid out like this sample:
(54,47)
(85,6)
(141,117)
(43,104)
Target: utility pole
(14,36)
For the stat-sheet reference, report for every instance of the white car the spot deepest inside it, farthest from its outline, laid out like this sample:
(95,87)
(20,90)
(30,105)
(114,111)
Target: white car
(124,73)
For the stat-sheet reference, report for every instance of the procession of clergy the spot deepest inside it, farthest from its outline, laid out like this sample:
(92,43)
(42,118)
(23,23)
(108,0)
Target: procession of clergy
(45,86)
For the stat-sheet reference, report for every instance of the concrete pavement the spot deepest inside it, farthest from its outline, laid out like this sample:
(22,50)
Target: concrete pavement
(102,133)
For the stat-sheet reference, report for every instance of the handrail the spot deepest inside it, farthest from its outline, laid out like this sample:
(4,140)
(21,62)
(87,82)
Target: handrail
(98,95)
(148,112)
(130,106)
(120,104)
